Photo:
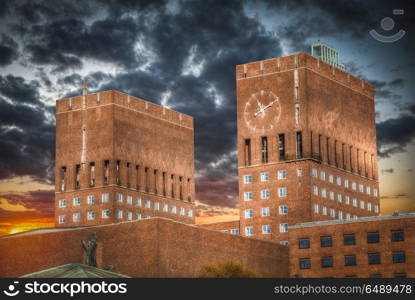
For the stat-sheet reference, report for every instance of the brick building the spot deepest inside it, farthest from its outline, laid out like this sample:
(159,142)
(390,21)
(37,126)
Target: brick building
(368,247)
(121,158)
(306,145)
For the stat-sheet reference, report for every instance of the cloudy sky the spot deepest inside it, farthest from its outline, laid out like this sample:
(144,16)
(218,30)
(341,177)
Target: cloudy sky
(182,54)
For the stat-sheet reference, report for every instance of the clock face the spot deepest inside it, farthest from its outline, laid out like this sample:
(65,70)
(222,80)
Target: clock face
(262,111)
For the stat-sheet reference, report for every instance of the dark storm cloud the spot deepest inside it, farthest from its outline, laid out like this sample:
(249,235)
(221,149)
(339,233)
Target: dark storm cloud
(394,135)
(41,200)
(18,90)
(8,50)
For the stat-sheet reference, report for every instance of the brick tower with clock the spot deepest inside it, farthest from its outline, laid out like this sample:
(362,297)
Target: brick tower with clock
(306,145)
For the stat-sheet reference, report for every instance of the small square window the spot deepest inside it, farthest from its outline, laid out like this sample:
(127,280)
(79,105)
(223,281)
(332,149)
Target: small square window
(264,176)
(349,239)
(349,260)
(374,258)
(373,237)
(249,231)
(325,241)
(282,174)
(266,229)
(248,213)
(265,212)
(105,197)
(265,194)
(138,216)
(398,257)
(62,219)
(62,203)
(282,192)
(283,209)
(283,227)
(247,179)
(76,201)
(247,196)
(105,213)
(91,215)
(91,199)
(304,243)
(190,213)
(327,261)
(305,263)
(397,236)
(76,217)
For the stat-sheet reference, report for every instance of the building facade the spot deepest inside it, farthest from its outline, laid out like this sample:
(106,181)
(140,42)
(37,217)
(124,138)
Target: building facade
(368,247)
(306,145)
(121,158)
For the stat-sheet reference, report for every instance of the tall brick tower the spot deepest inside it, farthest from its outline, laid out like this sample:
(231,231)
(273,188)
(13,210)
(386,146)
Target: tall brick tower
(306,145)
(121,158)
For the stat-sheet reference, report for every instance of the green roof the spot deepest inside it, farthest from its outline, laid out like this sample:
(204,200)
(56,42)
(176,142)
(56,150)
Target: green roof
(74,271)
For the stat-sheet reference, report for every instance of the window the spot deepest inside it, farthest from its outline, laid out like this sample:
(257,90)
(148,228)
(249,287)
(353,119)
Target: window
(119,213)
(63,175)
(62,203)
(346,183)
(324,211)
(327,261)
(182,211)
(265,194)
(346,199)
(283,209)
(248,213)
(105,213)
(129,215)
(264,149)
(349,260)
(373,258)
(314,172)
(247,179)
(165,207)
(362,204)
(332,213)
(76,201)
(92,174)
(322,175)
(331,178)
(264,176)
(249,231)
(265,212)
(360,187)
(119,197)
(77,176)
(340,215)
(323,193)
(105,197)
(397,235)
(129,200)
(266,229)
(338,180)
(353,185)
(368,190)
(281,146)
(376,208)
(299,144)
(173,209)
(62,219)
(282,174)
(285,243)
(247,152)
(76,217)
(373,237)
(138,216)
(284,227)
(138,201)
(349,239)
(282,192)
(354,202)
(106,171)
(91,199)
(315,208)
(157,207)
(190,213)
(375,192)
(339,198)
(304,243)
(305,263)
(235,231)
(248,196)
(398,257)
(325,241)
(347,216)
(369,206)
(331,195)
(315,190)
(91,215)
(147,204)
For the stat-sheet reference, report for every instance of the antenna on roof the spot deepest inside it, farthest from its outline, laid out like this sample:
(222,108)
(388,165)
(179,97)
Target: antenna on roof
(84,87)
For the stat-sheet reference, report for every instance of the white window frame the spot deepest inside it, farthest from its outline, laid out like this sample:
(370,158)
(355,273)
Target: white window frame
(76,201)
(282,174)
(248,196)
(138,201)
(339,198)
(105,213)
(354,201)
(182,211)
(119,213)
(283,210)
(369,206)
(368,190)
(147,203)
(314,172)
(129,215)
(361,189)
(338,180)
(283,227)
(105,197)
(190,213)
(165,207)
(362,204)
(375,192)
(76,217)
(346,183)
(331,195)
(249,213)
(90,215)
(156,205)
(324,211)
(315,190)
(340,215)
(323,193)
(91,199)
(322,175)
(282,192)
(332,213)
(266,229)
(331,178)
(173,209)
(129,199)
(249,231)
(247,179)
(315,208)
(265,212)
(354,185)
(62,203)
(347,200)
(119,197)
(264,176)
(265,194)
(62,219)
(138,216)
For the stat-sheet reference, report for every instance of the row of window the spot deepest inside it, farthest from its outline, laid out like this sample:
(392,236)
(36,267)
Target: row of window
(266,229)
(233,231)
(129,200)
(105,213)
(350,239)
(350,260)
(265,194)
(332,212)
(265,211)
(344,199)
(354,186)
